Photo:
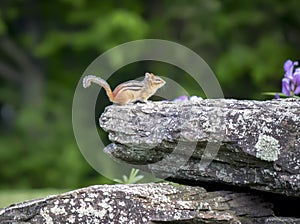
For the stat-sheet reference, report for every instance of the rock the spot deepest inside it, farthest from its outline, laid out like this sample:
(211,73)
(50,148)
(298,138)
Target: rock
(253,144)
(142,203)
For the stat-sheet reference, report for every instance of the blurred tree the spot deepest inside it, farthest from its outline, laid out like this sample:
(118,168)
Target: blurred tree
(44,48)
(245,42)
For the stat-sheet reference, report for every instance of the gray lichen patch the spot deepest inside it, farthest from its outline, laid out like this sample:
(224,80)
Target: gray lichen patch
(267,148)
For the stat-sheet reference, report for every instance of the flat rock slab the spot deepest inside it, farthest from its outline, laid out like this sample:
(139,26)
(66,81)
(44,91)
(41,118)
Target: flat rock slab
(250,143)
(143,203)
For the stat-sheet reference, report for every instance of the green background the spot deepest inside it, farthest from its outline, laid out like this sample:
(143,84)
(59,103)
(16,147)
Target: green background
(45,46)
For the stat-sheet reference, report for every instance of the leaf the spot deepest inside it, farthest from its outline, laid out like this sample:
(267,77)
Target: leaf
(279,94)
(132,179)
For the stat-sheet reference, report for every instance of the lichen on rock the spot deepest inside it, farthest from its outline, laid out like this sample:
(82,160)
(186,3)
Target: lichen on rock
(267,147)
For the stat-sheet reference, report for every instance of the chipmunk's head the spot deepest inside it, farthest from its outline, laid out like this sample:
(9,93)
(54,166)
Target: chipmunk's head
(154,80)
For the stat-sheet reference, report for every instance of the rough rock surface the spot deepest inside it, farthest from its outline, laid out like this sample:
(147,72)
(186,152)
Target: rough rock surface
(142,203)
(244,143)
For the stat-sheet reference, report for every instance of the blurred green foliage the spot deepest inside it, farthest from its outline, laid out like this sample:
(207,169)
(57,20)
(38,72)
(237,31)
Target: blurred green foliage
(19,195)
(46,46)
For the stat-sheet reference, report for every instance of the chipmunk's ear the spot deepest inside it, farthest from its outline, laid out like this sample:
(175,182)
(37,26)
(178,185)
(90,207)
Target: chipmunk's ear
(148,75)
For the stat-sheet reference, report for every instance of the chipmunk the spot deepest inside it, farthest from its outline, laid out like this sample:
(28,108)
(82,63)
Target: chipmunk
(130,91)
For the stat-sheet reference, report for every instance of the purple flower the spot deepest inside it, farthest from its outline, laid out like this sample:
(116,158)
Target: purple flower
(297,80)
(291,80)
(181,98)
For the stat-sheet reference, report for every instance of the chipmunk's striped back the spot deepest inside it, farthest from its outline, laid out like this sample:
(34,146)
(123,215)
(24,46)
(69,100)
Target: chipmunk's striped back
(129,85)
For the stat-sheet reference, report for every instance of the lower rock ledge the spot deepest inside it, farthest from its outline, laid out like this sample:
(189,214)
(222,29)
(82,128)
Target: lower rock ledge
(143,203)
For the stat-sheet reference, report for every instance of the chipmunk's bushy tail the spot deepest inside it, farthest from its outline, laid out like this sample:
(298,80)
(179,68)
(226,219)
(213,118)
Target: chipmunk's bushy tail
(87,81)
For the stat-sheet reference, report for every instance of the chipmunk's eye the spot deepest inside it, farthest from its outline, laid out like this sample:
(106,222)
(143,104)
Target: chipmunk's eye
(157,80)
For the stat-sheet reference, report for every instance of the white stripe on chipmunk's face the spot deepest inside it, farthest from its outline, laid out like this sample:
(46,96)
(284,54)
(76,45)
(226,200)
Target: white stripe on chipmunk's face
(159,81)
